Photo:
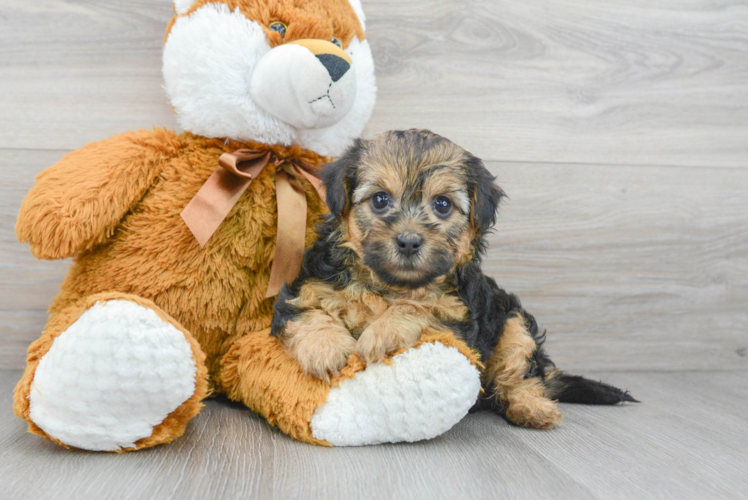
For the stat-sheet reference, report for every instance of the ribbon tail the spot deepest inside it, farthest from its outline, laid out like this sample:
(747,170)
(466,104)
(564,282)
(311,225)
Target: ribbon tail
(290,240)
(316,182)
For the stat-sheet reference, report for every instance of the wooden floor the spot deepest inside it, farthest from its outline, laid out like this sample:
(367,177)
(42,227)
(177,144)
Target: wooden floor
(619,129)
(679,443)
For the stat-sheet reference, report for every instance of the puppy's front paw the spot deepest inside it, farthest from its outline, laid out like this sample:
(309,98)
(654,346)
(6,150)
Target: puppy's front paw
(324,352)
(384,336)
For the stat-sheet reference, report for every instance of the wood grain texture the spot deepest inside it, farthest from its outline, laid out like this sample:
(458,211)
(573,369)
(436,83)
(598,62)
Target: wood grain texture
(644,82)
(628,268)
(632,82)
(75,72)
(27,285)
(687,440)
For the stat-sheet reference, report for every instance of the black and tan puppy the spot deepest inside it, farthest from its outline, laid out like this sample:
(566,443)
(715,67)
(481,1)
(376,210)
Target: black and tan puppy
(400,255)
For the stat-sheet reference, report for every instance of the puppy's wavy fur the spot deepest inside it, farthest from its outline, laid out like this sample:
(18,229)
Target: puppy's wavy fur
(378,278)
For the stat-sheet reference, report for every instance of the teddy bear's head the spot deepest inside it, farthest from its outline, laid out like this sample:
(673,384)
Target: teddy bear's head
(272,71)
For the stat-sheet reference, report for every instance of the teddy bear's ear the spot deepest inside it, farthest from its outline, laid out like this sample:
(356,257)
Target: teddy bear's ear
(356,4)
(182,6)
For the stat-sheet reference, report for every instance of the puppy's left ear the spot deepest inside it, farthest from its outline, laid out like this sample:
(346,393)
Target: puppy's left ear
(486,195)
(339,178)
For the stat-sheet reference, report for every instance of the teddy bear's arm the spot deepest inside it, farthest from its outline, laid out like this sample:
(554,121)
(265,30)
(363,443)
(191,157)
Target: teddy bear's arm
(77,203)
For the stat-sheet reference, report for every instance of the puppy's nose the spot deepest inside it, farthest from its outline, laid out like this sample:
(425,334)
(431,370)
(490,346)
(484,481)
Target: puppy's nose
(335,66)
(409,244)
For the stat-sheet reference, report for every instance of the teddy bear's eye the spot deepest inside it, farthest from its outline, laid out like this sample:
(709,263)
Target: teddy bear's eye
(337,42)
(279,27)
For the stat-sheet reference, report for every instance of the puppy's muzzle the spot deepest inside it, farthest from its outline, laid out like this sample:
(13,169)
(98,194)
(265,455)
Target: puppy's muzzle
(409,244)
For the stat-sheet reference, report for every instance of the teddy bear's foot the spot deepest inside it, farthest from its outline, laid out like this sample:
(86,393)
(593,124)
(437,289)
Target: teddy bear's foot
(116,373)
(419,393)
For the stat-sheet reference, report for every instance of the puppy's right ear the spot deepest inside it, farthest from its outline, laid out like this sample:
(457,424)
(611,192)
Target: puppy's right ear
(339,178)
(486,195)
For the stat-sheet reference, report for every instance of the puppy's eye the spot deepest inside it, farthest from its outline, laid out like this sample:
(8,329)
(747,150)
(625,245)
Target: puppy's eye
(380,201)
(279,27)
(337,42)
(442,206)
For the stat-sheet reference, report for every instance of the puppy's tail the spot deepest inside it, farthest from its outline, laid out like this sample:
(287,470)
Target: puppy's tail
(575,389)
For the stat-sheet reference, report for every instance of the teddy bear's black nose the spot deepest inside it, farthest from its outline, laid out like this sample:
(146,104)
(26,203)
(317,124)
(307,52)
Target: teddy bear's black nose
(335,66)
(409,244)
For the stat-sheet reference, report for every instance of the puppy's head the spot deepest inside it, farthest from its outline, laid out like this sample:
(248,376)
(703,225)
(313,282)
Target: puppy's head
(412,205)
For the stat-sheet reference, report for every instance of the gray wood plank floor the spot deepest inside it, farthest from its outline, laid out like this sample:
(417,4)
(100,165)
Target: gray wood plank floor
(685,440)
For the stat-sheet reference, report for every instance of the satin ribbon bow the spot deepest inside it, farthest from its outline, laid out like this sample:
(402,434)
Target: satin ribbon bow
(223,189)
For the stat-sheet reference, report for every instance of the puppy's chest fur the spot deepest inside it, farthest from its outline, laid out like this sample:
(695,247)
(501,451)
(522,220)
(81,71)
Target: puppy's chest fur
(358,305)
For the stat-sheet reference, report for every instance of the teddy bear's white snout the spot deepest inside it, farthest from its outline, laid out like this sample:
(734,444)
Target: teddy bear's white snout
(224,79)
(305,87)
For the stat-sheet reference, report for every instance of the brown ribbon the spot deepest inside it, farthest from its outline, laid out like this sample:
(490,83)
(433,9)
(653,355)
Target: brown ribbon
(223,189)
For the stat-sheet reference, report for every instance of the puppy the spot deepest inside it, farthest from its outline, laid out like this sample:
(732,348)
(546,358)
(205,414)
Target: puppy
(399,255)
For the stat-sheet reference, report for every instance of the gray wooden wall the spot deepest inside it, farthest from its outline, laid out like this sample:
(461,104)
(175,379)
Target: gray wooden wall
(619,129)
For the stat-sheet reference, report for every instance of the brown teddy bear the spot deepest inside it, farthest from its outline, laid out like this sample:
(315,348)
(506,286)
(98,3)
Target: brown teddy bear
(181,241)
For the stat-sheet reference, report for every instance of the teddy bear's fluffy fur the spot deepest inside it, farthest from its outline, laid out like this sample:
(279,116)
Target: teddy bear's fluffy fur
(121,222)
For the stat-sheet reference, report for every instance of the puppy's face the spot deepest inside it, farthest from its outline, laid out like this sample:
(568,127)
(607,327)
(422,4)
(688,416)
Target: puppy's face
(412,205)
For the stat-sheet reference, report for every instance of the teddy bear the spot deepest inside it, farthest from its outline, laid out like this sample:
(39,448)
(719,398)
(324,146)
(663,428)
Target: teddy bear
(181,241)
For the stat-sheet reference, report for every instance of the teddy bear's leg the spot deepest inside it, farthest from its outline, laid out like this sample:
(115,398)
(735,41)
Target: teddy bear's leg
(112,373)
(418,393)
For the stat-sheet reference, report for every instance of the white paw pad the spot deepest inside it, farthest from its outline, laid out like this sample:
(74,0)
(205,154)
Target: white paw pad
(422,394)
(111,377)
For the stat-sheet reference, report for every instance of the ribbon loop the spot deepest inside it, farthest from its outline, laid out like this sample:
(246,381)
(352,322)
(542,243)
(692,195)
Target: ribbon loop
(223,189)
(245,163)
